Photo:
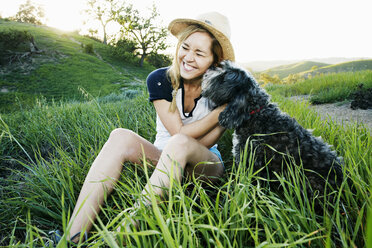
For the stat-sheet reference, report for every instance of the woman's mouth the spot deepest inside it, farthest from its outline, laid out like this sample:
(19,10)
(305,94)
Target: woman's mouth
(187,67)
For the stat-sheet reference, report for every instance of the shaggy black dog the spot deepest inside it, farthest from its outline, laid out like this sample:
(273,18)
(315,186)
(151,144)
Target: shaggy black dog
(276,139)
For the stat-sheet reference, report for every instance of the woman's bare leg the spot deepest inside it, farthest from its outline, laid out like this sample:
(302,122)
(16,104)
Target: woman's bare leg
(123,145)
(183,153)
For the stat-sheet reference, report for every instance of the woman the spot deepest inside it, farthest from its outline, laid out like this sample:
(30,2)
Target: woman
(187,130)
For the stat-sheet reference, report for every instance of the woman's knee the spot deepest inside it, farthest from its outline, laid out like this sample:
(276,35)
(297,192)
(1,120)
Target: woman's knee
(120,133)
(180,144)
(122,136)
(126,140)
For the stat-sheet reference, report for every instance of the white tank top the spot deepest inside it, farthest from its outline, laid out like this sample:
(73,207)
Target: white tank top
(200,110)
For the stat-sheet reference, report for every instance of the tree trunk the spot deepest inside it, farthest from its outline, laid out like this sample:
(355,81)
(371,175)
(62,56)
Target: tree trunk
(104,37)
(142,59)
(33,47)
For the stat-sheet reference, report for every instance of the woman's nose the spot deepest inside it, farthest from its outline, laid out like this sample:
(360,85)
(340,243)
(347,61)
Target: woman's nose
(189,57)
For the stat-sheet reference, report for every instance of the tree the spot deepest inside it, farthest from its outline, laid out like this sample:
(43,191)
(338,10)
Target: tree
(159,60)
(124,49)
(266,79)
(149,37)
(292,78)
(92,32)
(29,12)
(104,11)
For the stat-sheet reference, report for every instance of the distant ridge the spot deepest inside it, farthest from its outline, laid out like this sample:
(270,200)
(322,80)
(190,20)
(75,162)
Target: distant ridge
(262,65)
(350,66)
(284,70)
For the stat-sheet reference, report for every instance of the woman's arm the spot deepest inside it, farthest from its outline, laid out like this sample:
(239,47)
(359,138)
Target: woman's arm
(174,125)
(212,137)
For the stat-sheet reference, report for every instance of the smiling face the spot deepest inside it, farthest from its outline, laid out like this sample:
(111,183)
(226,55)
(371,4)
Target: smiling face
(195,55)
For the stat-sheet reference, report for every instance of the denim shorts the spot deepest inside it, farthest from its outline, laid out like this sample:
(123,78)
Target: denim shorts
(217,152)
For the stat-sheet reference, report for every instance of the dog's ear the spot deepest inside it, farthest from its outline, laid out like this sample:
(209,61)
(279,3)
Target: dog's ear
(234,114)
(233,76)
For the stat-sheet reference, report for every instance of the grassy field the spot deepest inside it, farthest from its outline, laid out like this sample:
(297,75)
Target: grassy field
(70,101)
(47,151)
(330,88)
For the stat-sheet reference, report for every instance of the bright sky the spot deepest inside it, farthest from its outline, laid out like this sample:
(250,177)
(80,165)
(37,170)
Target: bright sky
(261,29)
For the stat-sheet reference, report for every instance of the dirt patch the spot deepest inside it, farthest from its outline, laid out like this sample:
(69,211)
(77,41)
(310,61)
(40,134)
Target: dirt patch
(26,65)
(341,112)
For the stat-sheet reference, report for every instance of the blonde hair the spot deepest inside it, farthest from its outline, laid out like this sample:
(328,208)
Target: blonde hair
(174,70)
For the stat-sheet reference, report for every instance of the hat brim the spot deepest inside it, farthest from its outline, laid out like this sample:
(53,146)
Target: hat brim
(177,25)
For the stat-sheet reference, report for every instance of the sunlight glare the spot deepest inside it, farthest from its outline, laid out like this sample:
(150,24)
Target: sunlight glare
(65,15)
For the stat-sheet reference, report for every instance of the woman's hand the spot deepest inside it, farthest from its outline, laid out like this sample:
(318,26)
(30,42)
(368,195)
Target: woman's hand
(221,108)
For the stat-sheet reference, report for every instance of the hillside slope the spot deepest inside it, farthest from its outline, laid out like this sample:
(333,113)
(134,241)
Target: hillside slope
(62,69)
(284,70)
(352,66)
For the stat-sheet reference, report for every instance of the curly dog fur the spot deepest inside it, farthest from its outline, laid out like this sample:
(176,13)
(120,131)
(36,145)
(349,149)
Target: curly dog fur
(276,138)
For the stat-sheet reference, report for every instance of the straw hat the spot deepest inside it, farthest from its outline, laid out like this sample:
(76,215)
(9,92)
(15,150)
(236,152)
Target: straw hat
(215,23)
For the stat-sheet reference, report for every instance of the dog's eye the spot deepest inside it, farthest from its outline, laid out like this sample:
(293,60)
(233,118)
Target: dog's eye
(184,48)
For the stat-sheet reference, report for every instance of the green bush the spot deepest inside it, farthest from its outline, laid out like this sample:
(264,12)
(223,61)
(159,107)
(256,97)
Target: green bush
(5,19)
(126,45)
(159,60)
(88,48)
(124,50)
(11,39)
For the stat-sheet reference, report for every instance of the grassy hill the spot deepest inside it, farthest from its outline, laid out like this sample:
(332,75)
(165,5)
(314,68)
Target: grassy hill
(284,70)
(62,68)
(305,68)
(263,65)
(352,66)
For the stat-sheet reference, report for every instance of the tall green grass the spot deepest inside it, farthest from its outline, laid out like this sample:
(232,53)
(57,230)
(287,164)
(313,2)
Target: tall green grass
(46,153)
(327,88)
